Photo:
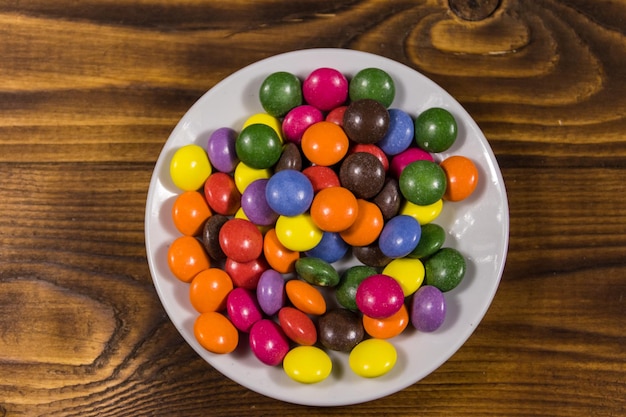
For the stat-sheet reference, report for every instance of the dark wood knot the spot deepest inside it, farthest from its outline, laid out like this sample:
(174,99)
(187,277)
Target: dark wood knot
(473,10)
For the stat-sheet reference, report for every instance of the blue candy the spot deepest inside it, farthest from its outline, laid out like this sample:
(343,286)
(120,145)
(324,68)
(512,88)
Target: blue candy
(399,236)
(400,133)
(330,249)
(289,192)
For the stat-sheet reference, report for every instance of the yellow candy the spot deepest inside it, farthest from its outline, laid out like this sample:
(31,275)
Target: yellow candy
(307,364)
(298,233)
(190,167)
(423,214)
(239,214)
(409,272)
(265,119)
(372,358)
(245,175)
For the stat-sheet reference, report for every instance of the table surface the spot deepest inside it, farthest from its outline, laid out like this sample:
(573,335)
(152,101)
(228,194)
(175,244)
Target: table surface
(90,91)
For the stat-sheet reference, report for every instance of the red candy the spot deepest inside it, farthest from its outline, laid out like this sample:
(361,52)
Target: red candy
(241,240)
(321,177)
(297,326)
(221,193)
(246,274)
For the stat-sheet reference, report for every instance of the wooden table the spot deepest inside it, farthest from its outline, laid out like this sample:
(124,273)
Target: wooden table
(90,91)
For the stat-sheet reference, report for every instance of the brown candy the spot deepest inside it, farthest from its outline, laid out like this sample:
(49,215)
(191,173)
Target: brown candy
(363,174)
(340,330)
(290,158)
(389,199)
(371,255)
(210,236)
(366,121)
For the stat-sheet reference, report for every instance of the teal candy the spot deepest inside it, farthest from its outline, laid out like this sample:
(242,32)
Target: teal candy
(373,83)
(435,130)
(445,269)
(258,146)
(423,182)
(280,92)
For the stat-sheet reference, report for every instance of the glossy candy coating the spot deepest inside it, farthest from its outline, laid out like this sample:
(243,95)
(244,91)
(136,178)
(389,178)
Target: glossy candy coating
(373,83)
(289,159)
(215,332)
(404,158)
(399,236)
(389,198)
(367,226)
(298,233)
(270,292)
(334,209)
(243,309)
(268,342)
(461,175)
(265,119)
(400,133)
(280,92)
(336,115)
(324,143)
(211,236)
(254,204)
(345,292)
(325,88)
(363,174)
(297,326)
(373,358)
(445,269)
(316,271)
(222,194)
(307,364)
(340,330)
(186,258)
(428,309)
(221,149)
(277,255)
(298,120)
(240,240)
(408,272)
(289,192)
(321,177)
(246,274)
(423,214)
(208,290)
(372,149)
(258,146)
(432,239)
(245,175)
(190,212)
(305,297)
(190,167)
(422,182)
(330,249)
(435,130)
(379,296)
(366,121)
(388,327)
(371,255)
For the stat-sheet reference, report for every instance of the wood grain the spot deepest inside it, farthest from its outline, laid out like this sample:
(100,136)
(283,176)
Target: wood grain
(90,90)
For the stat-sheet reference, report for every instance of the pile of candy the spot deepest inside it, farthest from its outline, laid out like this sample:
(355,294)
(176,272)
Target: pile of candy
(266,213)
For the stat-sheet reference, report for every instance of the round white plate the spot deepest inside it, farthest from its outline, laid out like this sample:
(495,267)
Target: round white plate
(477,226)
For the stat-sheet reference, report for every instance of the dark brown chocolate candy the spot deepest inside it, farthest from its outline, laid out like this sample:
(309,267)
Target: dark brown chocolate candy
(389,199)
(210,236)
(290,158)
(340,329)
(366,121)
(363,174)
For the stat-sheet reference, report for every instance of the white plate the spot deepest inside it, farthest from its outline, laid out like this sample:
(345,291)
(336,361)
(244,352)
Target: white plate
(478,227)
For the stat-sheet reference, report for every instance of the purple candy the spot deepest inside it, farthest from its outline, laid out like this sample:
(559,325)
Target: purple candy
(221,149)
(428,309)
(298,120)
(270,292)
(379,296)
(268,342)
(254,204)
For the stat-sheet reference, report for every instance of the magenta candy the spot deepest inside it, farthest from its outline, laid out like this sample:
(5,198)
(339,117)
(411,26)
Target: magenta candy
(268,342)
(379,296)
(428,309)
(325,89)
(270,292)
(221,149)
(298,120)
(404,158)
(255,205)
(243,309)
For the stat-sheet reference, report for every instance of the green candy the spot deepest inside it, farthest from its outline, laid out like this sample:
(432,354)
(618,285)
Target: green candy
(258,146)
(350,280)
(445,269)
(431,240)
(435,130)
(317,271)
(280,92)
(423,182)
(372,83)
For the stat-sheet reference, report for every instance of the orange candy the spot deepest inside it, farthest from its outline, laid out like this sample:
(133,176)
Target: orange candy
(462,177)
(186,258)
(189,212)
(334,209)
(367,226)
(209,289)
(305,297)
(324,143)
(277,255)
(215,332)
(388,327)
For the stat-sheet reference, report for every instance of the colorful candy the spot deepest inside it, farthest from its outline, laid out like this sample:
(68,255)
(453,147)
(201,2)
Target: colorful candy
(328,169)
